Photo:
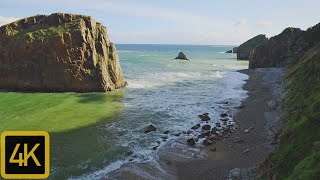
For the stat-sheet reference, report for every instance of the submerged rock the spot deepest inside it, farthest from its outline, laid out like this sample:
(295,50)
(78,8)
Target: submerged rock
(204,117)
(58,53)
(182,56)
(149,128)
(206,127)
(196,126)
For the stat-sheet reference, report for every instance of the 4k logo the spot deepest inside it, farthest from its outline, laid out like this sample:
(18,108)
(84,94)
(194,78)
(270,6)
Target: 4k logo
(25,155)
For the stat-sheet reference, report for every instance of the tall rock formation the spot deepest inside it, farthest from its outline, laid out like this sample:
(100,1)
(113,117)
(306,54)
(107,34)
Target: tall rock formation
(243,51)
(279,50)
(58,53)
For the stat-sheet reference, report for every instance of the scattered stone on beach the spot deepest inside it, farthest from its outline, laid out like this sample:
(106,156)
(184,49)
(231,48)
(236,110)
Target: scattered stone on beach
(246,130)
(196,126)
(206,127)
(191,142)
(207,142)
(204,117)
(182,56)
(149,128)
(272,104)
(213,137)
(238,140)
(246,151)
(214,149)
(166,132)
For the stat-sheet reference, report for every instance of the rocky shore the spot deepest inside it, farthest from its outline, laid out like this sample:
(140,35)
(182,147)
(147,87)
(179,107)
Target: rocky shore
(251,140)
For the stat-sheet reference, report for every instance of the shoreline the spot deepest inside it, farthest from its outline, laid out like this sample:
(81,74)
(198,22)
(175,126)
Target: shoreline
(263,85)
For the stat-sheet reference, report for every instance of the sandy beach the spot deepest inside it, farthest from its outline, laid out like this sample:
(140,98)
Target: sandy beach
(263,85)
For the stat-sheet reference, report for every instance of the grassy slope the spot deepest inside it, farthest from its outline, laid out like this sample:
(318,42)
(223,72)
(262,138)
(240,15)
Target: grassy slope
(298,155)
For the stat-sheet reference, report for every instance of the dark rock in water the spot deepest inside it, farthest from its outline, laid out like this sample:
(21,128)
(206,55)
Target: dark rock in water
(230,51)
(129,153)
(58,53)
(177,133)
(196,126)
(218,124)
(155,148)
(191,142)
(149,128)
(189,132)
(165,137)
(224,119)
(207,142)
(244,50)
(206,127)
(204,134)
(223,114)
(204,117)
(182,56)
(166,132)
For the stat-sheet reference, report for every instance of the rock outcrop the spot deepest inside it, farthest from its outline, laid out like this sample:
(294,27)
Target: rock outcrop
(235,50)
(285,48)
(58,53)
(182,56)
(243,51)
(277,51)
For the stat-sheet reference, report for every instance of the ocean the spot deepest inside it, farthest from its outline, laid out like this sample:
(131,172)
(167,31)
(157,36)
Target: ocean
(96,135)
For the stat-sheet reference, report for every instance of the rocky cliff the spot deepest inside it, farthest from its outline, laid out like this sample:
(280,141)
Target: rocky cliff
(57,53)
(285,48)
(277,51)
(243,51)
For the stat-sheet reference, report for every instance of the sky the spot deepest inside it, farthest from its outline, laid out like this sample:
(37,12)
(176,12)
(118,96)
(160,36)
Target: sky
(202,22)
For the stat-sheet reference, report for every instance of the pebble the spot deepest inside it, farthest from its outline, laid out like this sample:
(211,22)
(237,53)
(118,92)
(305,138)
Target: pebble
(246,151)
(213,149)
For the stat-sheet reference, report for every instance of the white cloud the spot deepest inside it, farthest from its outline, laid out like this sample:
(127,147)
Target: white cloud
(7,20)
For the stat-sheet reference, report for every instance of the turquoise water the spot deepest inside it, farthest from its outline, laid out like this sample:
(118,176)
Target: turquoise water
(169,94)
(92,133)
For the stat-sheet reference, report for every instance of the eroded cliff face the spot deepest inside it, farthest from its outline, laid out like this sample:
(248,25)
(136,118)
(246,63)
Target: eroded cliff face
(58,53)
(277,51)
(243,51)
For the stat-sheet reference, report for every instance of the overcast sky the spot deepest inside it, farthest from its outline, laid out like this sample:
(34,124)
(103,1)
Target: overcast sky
(214,22)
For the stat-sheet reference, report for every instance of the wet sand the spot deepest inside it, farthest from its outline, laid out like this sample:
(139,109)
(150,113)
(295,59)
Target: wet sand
(263,85)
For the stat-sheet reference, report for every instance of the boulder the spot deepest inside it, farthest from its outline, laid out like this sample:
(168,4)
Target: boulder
(207,142)
(272,104)
(182,56)
(230,51)
(204,117)
(243,51)
(149,128)
(58,53)
(191,142)
(206,127)
(196,126)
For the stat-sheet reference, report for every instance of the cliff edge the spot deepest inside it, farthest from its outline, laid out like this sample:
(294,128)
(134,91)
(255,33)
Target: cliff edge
(58,53)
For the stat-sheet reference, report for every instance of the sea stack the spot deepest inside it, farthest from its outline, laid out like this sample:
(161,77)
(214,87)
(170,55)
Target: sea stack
(58,53)
(182,56)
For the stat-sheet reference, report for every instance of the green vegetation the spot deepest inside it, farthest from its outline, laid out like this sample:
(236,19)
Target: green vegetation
(298,155)
(55,112)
